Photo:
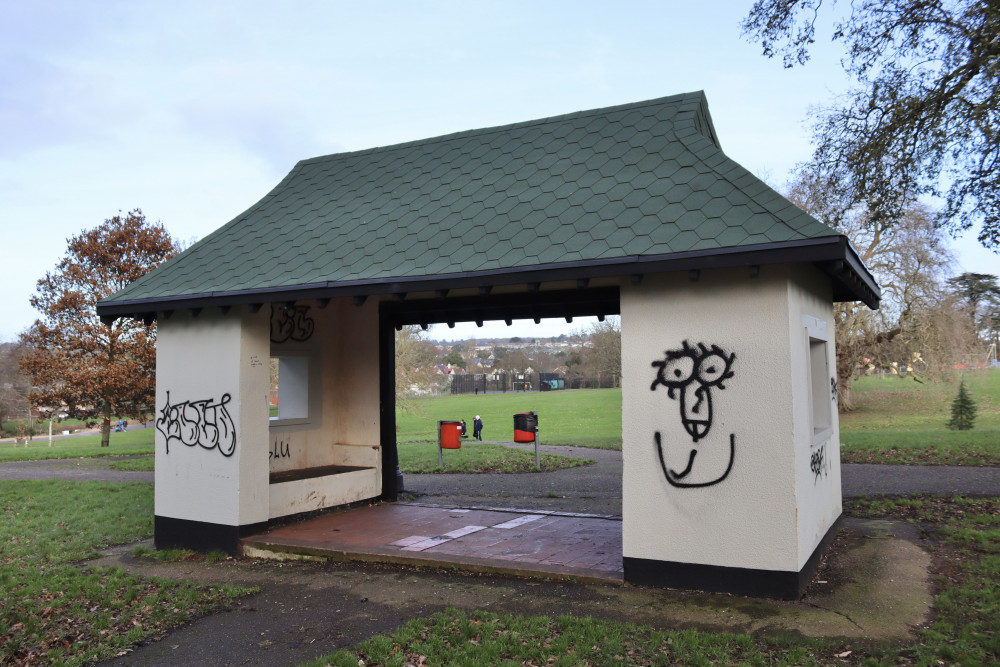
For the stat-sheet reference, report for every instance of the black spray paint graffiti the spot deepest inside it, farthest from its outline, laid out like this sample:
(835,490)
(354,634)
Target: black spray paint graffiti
(280,450)
(291,323)
(693,373)
(200,423)
(817,463)
(834,390)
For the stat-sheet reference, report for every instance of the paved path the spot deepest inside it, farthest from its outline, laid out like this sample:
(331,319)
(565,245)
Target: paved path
(597,488)
(592,489)
(867,479)
(79,470)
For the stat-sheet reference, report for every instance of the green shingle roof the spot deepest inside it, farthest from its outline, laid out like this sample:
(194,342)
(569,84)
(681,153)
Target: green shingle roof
(626,183)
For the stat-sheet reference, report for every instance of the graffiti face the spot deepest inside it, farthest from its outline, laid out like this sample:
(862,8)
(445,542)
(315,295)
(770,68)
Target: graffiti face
(692,375)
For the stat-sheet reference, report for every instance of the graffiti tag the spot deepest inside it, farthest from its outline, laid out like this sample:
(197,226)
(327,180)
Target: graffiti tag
(817,463)
(202,423)
(692,373)
(280,450)
(834,390)
(291,323)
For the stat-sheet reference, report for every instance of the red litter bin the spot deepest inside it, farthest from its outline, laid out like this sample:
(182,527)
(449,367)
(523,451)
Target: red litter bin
(525,426)
(449,437)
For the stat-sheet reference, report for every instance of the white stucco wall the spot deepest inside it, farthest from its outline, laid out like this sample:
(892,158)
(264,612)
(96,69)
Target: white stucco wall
(211,439)
(756,516)
(817,465)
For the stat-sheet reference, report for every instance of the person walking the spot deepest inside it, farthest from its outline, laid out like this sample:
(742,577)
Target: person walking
(477,428)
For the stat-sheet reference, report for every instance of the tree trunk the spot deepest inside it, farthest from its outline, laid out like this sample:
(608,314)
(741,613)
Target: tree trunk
(106,426)
(845,398)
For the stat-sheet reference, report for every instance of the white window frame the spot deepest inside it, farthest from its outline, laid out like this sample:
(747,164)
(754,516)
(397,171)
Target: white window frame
(818,378)
(298,388)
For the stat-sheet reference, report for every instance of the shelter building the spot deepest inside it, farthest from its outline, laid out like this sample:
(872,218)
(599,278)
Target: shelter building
(725,290)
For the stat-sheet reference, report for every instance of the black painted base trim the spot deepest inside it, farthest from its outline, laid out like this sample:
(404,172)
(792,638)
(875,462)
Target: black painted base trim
(787,585)
(201,536)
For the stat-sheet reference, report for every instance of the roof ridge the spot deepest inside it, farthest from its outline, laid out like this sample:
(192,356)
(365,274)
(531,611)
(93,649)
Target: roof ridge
(736,172)
(485,131)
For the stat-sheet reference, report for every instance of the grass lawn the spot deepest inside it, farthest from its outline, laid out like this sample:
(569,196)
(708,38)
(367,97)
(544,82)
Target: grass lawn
(903,421)
(52,611)
(581,417)
(129,443)
(965,629)
(143,464)
(480,457)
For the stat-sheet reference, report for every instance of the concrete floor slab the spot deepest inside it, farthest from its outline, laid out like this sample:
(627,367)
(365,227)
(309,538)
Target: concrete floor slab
(555,545)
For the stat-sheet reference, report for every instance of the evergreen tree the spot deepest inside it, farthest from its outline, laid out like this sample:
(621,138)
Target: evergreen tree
(963,410)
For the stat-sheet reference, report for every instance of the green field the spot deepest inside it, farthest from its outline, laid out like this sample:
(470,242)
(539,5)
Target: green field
(582,417)
(902,421)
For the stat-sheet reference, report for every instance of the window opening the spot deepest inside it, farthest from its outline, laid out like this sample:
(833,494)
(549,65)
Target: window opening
(289,398)
(819,374)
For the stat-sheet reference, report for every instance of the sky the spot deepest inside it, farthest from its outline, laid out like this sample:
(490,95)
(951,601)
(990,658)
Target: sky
(193,111)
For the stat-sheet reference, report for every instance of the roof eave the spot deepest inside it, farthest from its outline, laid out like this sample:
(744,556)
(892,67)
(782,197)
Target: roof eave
(834,255)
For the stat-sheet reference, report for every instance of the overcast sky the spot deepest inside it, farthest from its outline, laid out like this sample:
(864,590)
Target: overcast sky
(193,111)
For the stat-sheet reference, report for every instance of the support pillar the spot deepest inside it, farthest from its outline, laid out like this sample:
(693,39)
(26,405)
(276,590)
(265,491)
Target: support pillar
(211,429)
(730,439)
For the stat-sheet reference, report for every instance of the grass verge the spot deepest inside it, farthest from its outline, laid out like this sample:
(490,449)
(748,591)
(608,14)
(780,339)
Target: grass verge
(141,464)
(52,611)
(455,637)
(963,534)
(480,457)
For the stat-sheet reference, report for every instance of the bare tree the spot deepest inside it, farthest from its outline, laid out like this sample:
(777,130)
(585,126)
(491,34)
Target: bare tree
(603,355)
(926,104)
(909,258)
(416,367)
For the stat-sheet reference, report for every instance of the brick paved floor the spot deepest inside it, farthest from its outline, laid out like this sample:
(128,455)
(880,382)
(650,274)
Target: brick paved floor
(498,540)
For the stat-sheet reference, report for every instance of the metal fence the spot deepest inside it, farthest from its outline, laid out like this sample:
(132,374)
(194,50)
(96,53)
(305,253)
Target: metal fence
(481,383)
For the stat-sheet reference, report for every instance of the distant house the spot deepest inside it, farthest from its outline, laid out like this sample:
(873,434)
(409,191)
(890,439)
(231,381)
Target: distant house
(730,436)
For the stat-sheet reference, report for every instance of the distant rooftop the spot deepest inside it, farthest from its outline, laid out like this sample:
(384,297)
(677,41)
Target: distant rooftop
(624,190)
